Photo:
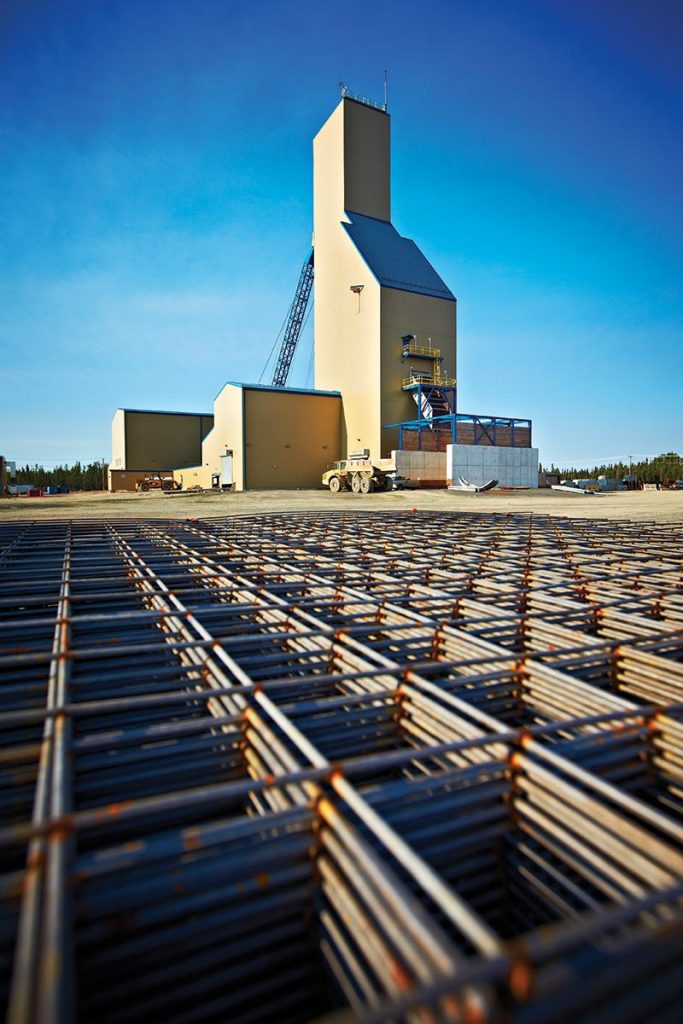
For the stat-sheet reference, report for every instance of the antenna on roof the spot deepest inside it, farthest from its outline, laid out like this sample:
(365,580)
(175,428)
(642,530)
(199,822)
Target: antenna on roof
(385,90)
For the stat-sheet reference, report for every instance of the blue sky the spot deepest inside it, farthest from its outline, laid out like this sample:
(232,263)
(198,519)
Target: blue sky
(155,203)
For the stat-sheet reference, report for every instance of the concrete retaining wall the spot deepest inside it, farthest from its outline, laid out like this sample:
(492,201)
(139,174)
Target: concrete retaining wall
(426,468)
(511,467)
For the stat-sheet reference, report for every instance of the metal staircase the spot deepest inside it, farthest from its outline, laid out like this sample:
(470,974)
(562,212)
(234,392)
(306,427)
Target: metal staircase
(434,393)
(435,403)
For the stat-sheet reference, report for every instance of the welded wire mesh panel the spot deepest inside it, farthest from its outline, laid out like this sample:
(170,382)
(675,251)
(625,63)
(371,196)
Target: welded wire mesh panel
(396,766)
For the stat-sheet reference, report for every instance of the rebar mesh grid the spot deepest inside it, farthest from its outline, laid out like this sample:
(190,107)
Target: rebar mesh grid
(410,766)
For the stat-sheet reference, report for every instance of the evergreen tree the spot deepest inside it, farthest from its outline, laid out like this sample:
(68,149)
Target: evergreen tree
(668,466)
(92,477)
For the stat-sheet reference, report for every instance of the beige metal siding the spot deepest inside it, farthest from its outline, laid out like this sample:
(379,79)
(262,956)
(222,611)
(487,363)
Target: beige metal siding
(427,318)
(226,435)
(205,426)
(193,476)
(347,332)
(358,342)
(118,440)
(289,438)
(155,440)
(367,156)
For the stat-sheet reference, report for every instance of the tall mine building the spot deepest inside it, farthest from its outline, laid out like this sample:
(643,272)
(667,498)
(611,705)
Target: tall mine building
(381,310)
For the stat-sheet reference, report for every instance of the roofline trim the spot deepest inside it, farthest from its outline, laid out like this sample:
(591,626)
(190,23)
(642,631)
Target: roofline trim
(368,106)
(286,391)
(164,412)
(432,294)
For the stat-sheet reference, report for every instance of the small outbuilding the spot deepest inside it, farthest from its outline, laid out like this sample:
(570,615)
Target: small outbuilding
(153,441)
(268,438)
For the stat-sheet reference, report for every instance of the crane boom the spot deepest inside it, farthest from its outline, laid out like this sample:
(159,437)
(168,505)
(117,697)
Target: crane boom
(295,321)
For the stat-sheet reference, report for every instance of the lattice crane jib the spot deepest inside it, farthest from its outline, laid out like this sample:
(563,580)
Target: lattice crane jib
(294,325)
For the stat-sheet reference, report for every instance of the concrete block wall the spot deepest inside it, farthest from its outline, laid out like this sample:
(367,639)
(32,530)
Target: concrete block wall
(511,467)
(426,468)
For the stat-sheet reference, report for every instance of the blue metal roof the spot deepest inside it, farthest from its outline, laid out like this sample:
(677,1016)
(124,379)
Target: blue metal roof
(395,261)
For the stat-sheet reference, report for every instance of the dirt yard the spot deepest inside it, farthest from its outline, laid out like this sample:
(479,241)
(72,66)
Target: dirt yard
(660,506)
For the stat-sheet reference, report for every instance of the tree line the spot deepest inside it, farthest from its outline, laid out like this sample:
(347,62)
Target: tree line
(93,476)
(668,466)
(79,477)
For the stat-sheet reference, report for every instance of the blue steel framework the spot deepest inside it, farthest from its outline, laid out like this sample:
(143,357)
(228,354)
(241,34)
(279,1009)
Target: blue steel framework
(295,322)
(435,396)
(485,427)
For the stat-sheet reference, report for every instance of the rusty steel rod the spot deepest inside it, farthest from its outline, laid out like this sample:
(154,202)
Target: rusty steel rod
(397,766)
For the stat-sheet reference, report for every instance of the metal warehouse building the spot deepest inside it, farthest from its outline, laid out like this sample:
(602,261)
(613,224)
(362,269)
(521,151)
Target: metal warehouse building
(268,437)
(150,441)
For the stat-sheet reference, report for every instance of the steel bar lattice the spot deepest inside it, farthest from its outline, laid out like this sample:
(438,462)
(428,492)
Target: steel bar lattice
(396,766)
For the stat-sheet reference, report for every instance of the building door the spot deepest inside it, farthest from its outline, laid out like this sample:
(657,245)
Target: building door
(226,470)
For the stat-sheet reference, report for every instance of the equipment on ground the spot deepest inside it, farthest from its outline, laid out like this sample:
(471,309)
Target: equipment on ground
(463,484)
(361,475)
(294,325)
(156,482)
(571,488)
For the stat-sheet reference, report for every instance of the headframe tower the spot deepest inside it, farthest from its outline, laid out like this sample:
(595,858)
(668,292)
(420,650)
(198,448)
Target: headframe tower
(383,316)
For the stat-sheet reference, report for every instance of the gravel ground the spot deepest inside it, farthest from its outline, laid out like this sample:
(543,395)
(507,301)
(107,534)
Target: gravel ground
(659,506)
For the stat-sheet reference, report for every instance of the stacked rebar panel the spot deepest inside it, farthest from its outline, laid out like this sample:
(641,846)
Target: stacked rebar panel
(396,766)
